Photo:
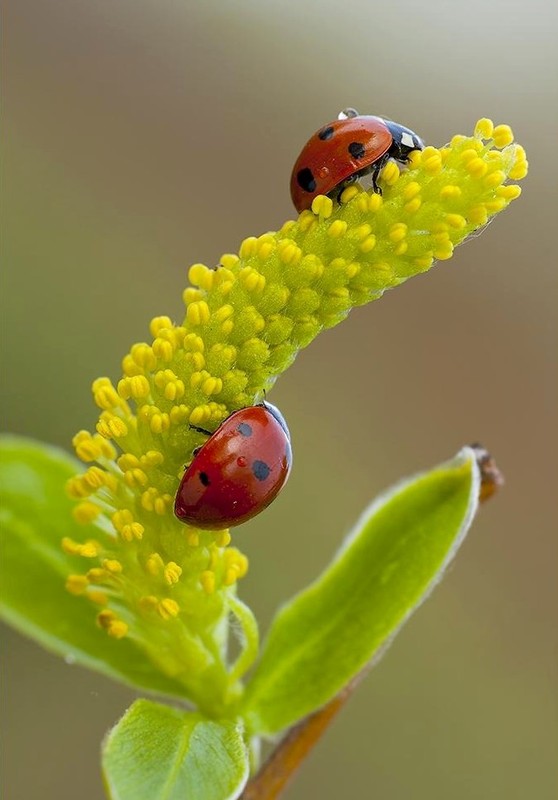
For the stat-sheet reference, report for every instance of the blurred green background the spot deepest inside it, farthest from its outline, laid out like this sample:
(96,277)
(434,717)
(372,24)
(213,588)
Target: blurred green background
(144,136)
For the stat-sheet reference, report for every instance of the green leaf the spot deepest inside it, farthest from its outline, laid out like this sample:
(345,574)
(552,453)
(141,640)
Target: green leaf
(396,554)
(35,514)
(159,753)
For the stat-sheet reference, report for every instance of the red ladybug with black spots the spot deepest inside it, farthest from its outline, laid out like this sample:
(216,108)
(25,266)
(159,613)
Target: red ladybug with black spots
(239,470)
(344,150)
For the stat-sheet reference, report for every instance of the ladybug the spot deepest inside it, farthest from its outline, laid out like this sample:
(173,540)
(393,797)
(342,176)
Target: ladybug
(239,470)
(342,151)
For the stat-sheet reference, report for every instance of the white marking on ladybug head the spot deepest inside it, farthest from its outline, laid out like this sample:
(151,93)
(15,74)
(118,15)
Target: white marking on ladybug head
(407,139)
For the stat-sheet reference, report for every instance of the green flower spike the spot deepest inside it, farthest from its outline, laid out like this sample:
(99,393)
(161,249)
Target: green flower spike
(172,588)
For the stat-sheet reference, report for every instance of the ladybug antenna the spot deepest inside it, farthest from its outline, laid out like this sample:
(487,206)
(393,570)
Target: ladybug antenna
(348,113)
(200,430)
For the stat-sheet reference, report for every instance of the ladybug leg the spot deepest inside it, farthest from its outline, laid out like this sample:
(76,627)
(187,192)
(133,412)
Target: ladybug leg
(374,176)
(375,173)
(200,430)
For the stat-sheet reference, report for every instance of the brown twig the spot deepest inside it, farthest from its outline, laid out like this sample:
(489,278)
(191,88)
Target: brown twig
(291,751)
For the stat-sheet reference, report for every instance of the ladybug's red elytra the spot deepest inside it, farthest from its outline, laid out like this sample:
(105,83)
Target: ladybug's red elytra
(239,470)
(345,149)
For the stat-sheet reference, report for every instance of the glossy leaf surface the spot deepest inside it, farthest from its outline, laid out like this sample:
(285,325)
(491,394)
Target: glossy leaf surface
(35,514)
(159,753)
(398,551)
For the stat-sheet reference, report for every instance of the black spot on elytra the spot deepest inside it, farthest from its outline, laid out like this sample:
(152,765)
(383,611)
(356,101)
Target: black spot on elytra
(260,470)
(326,133)
(244,429)
(204,478)
(306,180)
(357,150)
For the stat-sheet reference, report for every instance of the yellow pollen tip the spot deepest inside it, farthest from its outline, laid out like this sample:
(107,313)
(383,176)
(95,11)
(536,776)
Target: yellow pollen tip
(222,538)
(251,279)
(111,427)
(136,387)
(212,386)
(90,549)
(168,608)
(76,584)
(494,179)
(158,324)
(193,538)
(450,192)
(478,215)
(337,229)
(432,164)
(87,447)
(108,620)
(96,575)
(411,190)
(456,221)
(154,564)
(230,576)
(390,173)
(112,565)
(136,477)
(69,546)
(322,206)
(105,617)
(502,136)
(207,580)
(200,414)
(349,193)
(398,231)
(153,458)
(510,192)
(237,562)
(117,629)
(128,461)
(477,167)
(76,489)
(97,596)
(133,531)
(201,276)
(85,512)
(484,128)
(413,205)
(249,247)
(198,313)
(172,573)
(148,603)
(415,159)
(368,244)
(163,349)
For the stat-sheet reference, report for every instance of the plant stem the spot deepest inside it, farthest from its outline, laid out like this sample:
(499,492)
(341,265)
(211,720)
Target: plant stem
(291,751)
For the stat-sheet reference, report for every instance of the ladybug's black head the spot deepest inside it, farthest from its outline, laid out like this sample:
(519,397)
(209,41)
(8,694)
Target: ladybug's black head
(404,141)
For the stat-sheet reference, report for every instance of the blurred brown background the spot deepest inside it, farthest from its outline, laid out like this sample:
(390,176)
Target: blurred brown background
(144,136)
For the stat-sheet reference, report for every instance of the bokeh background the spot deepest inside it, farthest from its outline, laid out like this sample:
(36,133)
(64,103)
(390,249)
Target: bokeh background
(144,136)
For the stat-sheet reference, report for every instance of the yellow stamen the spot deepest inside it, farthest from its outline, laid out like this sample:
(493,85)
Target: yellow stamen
(168,608)
(154,564)
(207,580)
(172,573)
(86,512)
(76,584)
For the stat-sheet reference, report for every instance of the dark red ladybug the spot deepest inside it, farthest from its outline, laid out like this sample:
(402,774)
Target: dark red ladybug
(345,149)
(238,471)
